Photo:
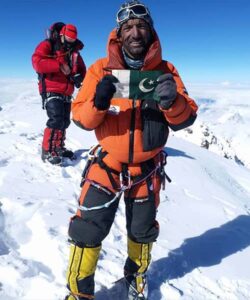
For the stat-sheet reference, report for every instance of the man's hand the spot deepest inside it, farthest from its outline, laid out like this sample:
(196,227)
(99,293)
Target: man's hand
(65,69)
(166,90)
(77,79)
(105,90)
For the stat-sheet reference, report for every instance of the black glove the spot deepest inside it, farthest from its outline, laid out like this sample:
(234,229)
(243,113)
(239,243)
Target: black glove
(166,90)
(105,90)
(77,79)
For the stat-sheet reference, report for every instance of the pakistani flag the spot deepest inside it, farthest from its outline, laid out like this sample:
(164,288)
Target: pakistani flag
(135,84)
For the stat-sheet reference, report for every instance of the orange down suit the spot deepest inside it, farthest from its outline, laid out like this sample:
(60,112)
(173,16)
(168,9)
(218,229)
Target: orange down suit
(113,131)
(121,138)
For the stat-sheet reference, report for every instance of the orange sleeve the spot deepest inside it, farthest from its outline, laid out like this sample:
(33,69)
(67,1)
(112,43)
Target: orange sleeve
(183,112)
(84,113)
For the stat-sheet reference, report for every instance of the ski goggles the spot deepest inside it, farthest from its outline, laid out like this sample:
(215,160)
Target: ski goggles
(138,10)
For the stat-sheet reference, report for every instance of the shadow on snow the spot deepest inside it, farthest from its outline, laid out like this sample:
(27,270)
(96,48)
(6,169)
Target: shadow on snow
(205,250)
(175,152)
(79,154)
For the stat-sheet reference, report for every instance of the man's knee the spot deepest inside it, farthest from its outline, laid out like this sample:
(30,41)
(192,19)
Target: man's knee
(94,224)
(144,234)
(56,123)
(55,112)
(86,233)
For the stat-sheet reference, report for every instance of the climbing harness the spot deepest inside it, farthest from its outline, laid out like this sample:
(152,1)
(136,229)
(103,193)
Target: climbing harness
(96,155)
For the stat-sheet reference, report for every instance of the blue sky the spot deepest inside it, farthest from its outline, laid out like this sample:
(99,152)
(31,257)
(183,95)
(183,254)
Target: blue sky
(207,40)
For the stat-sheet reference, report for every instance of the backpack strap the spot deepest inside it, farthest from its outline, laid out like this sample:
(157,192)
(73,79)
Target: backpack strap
(41,78)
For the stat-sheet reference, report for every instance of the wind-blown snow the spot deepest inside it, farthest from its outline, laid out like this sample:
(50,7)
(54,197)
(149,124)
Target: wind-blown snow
(203,249)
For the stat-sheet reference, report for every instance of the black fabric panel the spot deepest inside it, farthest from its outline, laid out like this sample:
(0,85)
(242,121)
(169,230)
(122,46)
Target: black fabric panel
(93,226)
(58,112)
(130,266)
(67,110)
(183,125)
(141,222)
(154,126)
(86,285)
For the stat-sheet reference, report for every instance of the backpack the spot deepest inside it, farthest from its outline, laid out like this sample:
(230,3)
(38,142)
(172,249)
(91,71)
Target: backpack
(53,33)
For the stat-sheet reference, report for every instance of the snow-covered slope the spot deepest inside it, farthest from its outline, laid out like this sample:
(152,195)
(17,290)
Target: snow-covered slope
(224,120)
(203,249)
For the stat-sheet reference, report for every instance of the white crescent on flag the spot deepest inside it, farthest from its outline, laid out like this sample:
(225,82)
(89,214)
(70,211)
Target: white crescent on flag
(142,87)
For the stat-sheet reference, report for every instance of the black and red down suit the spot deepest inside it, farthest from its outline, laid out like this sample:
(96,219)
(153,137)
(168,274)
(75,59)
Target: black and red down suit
(56,88)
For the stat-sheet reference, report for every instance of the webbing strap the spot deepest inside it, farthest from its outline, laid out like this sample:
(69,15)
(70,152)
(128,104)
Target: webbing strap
(109,170)
(148,168)
(41,77)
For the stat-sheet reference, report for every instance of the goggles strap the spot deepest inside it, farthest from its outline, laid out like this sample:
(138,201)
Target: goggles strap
(124,13)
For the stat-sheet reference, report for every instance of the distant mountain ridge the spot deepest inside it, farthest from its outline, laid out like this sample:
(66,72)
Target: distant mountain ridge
(202,135)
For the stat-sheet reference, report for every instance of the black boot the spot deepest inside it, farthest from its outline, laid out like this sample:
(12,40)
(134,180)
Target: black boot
(137,286)
(67,153)
(51,157)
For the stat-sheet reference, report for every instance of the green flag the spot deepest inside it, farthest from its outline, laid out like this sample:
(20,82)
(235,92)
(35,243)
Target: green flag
(135,84)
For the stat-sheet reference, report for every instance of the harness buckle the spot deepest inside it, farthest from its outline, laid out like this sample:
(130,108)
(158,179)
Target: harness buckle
(94,152)
(125,180)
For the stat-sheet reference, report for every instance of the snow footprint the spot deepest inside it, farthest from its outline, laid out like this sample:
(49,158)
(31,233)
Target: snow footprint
(4,162)
(31,136)
(4,249)
(6,126)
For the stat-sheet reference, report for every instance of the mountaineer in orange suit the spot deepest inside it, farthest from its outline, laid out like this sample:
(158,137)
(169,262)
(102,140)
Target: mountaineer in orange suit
(130,159)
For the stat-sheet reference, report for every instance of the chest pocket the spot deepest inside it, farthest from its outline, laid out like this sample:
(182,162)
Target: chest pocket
(154,125)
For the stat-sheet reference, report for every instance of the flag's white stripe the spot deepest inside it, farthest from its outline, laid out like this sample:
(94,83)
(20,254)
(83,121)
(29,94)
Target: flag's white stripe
(122,87)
